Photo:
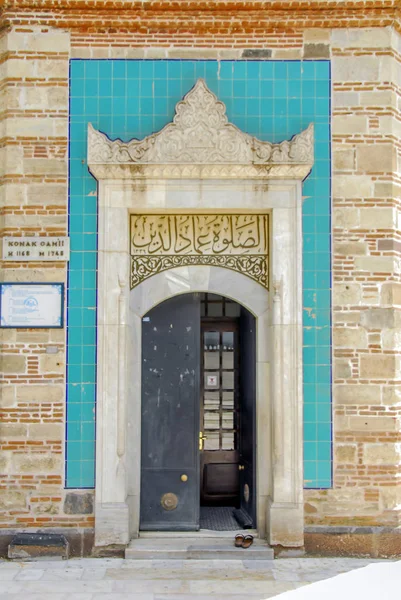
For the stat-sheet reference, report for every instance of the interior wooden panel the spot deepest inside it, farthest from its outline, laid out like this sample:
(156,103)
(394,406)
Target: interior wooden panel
(221,478)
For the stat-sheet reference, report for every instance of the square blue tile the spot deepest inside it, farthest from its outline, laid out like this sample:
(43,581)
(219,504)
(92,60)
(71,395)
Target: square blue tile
(133,98)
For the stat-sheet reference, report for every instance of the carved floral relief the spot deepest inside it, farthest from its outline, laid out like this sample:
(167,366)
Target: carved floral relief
(200,143)
(200,134)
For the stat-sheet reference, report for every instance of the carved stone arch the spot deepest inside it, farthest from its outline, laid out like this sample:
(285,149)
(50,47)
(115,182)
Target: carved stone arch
(211,279)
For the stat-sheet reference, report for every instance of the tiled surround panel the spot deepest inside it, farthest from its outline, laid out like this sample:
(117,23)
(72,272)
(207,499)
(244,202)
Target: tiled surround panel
(272,100)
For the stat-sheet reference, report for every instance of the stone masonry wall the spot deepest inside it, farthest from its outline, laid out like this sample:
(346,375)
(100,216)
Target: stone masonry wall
(362,41)
(34,121)
(366,283)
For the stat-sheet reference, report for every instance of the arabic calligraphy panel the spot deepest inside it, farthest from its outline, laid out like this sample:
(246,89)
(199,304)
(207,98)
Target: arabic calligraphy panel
(198,234)
(161,242)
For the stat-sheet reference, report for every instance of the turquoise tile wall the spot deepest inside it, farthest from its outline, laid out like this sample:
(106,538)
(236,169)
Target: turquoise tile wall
(272,100)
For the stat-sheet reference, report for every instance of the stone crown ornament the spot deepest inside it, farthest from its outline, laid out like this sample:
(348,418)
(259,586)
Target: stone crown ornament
(201,134)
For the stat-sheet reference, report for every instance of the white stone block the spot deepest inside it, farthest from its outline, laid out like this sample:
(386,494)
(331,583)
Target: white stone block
(345,99)
(362,37)
(352,186)
(378,218)
(383,453)
(379,98)
(377,264)
(36,127)
(38,40)
(11,160)
(348,124)
(356,68)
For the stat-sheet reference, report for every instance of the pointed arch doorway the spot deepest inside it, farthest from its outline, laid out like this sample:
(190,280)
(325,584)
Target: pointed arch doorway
(198,414)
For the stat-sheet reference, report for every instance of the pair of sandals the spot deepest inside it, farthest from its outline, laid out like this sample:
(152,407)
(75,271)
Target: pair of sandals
(243,541)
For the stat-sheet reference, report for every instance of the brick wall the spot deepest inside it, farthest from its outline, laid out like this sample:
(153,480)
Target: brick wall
(37,41)
(366,275)
(33,191)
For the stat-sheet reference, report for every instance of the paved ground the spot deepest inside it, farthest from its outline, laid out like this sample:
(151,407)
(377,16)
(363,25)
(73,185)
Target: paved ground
(118,579)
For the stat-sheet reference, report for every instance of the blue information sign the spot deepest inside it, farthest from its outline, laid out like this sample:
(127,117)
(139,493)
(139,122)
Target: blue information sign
(31,305)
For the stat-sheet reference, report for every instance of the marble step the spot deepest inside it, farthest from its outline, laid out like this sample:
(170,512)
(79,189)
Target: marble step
(196,548)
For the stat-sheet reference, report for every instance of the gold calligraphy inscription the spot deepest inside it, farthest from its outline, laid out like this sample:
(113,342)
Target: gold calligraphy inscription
(161,242)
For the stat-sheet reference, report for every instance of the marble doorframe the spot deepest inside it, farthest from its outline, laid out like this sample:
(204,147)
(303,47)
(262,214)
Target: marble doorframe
(200,163)
(279,344)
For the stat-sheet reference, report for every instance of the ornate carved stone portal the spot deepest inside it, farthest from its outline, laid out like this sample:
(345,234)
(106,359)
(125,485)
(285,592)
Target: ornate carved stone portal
(237,242)
(178,205)
(198,142)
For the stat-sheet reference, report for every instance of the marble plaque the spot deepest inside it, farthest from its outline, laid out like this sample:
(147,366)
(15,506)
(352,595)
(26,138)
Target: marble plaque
(23,249)
(237,241)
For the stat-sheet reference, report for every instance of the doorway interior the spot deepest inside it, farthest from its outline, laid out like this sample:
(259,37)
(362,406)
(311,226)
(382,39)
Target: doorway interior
(198,425)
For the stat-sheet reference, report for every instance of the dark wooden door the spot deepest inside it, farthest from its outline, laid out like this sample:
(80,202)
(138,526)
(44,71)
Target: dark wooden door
(219,413)
(247,405)
(170,415)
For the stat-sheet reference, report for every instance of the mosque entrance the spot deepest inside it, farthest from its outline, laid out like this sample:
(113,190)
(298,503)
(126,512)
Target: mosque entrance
(198,415)
(205,191)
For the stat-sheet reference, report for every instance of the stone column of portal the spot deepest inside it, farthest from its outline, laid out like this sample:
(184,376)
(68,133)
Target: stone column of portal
(111,509)
(285,511)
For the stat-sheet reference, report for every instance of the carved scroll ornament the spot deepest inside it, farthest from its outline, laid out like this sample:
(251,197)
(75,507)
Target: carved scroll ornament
(237,242)
(200,134)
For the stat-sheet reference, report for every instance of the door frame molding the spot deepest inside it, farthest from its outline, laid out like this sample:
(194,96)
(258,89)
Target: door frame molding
(279,470)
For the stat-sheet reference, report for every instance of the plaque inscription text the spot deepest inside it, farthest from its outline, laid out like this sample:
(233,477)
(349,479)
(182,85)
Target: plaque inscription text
(238,242)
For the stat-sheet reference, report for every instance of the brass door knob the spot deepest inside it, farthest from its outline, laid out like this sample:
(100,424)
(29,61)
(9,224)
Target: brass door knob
(241,467)
(184,477)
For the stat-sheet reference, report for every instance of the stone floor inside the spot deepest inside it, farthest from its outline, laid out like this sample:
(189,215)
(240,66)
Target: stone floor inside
(122,579)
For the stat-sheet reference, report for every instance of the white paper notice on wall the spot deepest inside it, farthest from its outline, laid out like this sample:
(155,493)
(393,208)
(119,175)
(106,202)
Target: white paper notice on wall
(31,305)
(212,381)
(36,248)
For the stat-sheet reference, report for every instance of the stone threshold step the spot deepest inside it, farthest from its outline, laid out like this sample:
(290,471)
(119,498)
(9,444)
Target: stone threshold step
(202,533)
(196,548)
